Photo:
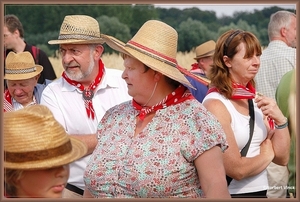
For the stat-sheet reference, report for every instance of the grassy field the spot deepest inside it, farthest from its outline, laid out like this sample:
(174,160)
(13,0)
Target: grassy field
(115,61)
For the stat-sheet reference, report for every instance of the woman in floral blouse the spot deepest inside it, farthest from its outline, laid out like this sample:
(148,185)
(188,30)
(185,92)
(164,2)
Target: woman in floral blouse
(163,143)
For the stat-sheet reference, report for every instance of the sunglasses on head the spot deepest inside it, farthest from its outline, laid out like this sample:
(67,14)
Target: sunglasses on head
(229,39)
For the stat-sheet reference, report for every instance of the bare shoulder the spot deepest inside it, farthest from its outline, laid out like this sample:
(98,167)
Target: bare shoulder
(212,104)
(217,107)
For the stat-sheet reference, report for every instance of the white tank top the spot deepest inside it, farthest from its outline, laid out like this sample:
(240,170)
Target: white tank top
(240,127)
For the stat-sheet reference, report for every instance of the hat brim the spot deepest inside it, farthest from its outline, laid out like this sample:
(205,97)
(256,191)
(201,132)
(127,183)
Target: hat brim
(164,68)
(24,76)
(79,149)
(204,56)
(74,41)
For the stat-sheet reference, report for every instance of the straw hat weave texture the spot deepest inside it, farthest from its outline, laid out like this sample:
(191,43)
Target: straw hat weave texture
(206,49)
(155,45)
(19,66)
(33,139)
(78,29)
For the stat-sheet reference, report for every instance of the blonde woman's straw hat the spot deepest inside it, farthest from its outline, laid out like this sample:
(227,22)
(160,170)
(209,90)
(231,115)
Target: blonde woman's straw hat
(33,139)
(155,45)
(19,66)
(206,49)
(78,29)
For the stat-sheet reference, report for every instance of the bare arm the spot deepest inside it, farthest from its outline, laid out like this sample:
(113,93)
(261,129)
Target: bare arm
(212,173)
(236,166)
(87,194)
(89,140)
(280,137)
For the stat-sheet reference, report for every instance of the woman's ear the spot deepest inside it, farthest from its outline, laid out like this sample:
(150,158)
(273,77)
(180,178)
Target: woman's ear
(226,60)
(157,76)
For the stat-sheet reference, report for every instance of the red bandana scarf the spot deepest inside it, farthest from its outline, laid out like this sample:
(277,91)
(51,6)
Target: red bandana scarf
(7,102)
(242,92)
(88,93)
(176,97)
(239,91)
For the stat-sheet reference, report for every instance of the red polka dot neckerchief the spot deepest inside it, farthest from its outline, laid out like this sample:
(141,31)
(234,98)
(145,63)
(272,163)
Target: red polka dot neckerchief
(179,95)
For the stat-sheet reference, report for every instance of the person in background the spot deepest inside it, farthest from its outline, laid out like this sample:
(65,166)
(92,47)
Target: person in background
(250,121)
(14,41)
(37,153)
(204,54)
(277,59)
(21,77)
(286,87)
(161,143)
(204,58)
(86,90)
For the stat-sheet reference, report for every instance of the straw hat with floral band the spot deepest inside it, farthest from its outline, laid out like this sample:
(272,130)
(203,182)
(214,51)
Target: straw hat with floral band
(78,29)
(155,45)
(19,66)
(33,139)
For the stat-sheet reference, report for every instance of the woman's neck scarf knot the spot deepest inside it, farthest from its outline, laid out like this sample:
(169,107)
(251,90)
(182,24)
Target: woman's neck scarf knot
(239,91)
(177,96)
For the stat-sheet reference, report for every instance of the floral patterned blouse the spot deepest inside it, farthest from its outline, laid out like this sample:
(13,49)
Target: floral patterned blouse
(157,162)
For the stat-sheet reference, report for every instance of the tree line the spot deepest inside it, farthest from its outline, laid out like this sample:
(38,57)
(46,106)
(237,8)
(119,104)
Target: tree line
(42,22)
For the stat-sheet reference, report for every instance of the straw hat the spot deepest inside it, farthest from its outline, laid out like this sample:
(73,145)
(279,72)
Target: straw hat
(155,45)
(33,139)
(19,66)
(78,29)
(206,49)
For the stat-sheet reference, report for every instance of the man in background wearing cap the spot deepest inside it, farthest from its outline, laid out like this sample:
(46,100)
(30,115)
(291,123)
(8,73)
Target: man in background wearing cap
(204,58)
(21,77)
(85,91)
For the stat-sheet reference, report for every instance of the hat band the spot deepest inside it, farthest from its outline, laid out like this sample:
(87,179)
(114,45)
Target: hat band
(76,36)
(17,157)
(152,53)
(20,71)
(205,54)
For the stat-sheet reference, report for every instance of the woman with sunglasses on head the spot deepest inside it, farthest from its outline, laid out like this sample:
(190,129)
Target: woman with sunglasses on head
(256,129)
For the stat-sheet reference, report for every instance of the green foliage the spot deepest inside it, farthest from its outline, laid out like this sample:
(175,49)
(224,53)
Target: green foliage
(191,34)
(42,22)
(46,49)
(42,39)
(140,14)
(113,27)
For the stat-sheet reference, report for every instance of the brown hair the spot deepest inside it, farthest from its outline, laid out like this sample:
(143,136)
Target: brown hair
(227,45)
(13,23)
(10,178)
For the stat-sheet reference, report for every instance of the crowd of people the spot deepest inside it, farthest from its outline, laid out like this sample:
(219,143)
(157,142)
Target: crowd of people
(223,129)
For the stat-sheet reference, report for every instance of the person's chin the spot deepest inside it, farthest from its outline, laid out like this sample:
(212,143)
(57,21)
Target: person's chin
(54,195)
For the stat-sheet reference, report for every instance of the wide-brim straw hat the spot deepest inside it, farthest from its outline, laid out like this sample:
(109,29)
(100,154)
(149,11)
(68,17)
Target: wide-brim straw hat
(205,50)
(79,29)
(155,45)
(33,139)
(20,66)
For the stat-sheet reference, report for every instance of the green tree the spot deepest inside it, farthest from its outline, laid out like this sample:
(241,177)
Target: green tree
(113,27)
(191,33)
(140,14)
